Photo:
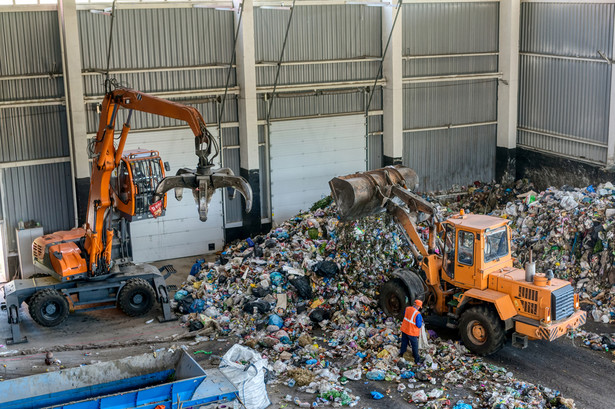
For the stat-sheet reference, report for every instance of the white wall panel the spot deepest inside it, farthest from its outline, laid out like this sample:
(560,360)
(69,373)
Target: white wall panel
(306,154)
(179,233)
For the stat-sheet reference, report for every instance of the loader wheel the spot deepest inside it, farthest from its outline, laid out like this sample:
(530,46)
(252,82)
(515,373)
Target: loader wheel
(136,297)
(48,308)
(394,299)
(481,330)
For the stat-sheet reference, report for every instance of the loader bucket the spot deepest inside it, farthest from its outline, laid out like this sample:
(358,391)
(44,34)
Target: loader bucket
(363,193)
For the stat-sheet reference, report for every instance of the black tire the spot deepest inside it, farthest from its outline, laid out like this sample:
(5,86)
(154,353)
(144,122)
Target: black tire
(394,298)
(48,308)
(136,298)
(481,330)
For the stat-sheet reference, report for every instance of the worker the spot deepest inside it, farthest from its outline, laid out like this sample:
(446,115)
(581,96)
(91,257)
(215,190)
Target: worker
(411,329)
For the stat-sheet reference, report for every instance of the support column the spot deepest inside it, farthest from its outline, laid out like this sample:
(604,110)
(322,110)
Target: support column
(248,114)
(393,93)
(75,107)
(610,155)
(508,89)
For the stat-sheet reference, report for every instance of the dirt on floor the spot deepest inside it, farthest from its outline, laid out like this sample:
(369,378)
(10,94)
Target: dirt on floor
(85,338)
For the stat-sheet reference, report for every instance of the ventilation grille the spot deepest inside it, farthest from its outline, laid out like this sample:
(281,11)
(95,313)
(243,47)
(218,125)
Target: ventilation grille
(38,251)
(528,294)
(530,307)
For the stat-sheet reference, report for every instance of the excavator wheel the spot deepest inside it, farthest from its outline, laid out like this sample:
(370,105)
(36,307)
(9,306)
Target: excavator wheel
(394,298)
(48,308)
(481,330)
(136,297)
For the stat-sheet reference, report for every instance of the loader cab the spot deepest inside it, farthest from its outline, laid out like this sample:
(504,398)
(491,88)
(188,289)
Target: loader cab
(134,182)
(474,246)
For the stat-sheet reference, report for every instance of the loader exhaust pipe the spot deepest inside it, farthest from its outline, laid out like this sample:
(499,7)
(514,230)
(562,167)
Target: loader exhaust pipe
(363,193)
(530,269)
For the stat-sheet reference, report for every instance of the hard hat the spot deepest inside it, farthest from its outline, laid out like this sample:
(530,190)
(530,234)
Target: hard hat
(418,303)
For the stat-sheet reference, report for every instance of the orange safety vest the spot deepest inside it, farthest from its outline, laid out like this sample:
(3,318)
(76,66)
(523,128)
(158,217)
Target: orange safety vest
(408,325)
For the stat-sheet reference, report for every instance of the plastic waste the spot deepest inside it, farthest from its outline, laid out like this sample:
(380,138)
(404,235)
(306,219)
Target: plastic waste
(376,395)
(276,320)
(249,380)
(375,375)
(326,269)
(419,396)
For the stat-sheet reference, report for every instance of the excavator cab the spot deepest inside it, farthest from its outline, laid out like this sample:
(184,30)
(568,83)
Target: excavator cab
(134,184)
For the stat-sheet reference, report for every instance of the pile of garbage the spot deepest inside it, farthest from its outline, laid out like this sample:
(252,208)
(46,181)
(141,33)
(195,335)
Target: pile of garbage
(305,296)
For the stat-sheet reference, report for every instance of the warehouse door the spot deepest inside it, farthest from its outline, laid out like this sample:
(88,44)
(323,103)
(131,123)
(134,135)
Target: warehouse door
(305,154)
(179,233)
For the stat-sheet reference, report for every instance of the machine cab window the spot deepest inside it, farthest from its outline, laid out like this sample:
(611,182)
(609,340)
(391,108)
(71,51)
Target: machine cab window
(120,182)
(496,244)
(465,248)
(449,251)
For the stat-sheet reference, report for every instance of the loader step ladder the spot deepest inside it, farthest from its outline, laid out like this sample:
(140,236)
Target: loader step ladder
(519,340)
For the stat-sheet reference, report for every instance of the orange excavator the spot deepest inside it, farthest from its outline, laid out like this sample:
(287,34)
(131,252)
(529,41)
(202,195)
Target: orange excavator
(124,186)
(465,270)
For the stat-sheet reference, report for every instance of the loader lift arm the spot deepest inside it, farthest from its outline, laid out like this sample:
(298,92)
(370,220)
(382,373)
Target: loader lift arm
(106,157)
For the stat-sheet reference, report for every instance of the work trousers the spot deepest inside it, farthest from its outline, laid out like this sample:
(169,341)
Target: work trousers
(414,343)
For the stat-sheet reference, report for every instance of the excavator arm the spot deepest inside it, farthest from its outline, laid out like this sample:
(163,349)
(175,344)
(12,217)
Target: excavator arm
(107,156)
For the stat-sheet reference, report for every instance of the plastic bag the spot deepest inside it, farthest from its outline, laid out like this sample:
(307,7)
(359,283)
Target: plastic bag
(423,338)
(249,379)
(327,269)
(303,287)
(375,375)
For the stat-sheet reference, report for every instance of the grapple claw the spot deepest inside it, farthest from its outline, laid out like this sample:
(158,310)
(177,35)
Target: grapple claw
(239,184)
(203,187)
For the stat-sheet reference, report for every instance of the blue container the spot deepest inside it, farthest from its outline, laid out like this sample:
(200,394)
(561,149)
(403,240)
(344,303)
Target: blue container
(144,381)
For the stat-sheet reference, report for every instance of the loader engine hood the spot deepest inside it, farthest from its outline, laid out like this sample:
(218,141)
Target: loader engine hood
(541,299)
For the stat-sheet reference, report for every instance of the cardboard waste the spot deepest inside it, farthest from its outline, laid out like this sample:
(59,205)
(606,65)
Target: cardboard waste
(304,296)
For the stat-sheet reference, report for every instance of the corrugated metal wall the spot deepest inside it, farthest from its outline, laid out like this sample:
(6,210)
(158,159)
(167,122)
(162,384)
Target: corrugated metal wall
(472,156)
(42,193)
(564,102)
(459,155)
(30,45)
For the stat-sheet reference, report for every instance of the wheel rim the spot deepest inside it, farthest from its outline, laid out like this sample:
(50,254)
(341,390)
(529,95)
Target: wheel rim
(394,305)
(477,332)
(50,311)
(137,300)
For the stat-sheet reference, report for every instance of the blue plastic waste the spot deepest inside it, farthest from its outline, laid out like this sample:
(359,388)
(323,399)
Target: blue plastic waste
(250,242)
(311,361)
(276,278)
(376,375)
(276,320)
(180,295)
(407,375)
(361,354)
(197,305)
(462,405)
(196,267)
(377,395)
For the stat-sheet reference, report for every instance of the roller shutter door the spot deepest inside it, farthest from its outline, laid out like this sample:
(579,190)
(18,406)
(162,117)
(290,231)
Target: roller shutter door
(305,154)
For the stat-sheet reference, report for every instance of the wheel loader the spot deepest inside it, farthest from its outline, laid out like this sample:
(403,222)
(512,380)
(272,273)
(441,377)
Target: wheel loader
(90,267)
(465,270)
